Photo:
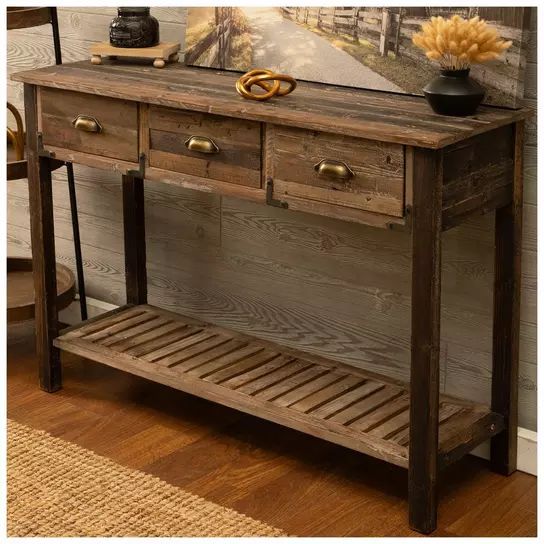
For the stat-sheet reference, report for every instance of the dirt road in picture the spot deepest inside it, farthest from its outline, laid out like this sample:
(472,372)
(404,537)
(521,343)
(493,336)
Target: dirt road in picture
(283,45)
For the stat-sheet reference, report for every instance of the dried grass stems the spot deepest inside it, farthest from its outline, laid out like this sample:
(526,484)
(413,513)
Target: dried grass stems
(456,43)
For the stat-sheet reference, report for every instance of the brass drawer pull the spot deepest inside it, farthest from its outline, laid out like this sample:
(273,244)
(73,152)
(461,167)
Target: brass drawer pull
(87,124)
(201,144)
(334,169)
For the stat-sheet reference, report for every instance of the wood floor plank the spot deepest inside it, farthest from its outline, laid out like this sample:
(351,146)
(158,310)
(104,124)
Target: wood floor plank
(241,462)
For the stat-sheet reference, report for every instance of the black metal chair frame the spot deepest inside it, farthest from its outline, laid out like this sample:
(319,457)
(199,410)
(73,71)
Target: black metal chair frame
(53,19)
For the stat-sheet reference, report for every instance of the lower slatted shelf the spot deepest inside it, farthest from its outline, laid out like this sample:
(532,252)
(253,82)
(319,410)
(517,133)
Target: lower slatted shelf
(323,398)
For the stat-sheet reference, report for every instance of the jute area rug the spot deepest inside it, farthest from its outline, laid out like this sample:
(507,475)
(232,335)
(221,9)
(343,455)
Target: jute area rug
(58,489)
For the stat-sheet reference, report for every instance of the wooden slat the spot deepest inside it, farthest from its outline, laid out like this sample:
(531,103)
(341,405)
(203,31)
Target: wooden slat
(154,334)
(203,345)
(327,399)
(392,425)
(118,327)
(382,414)
(349,398)
(193,338)
(247,359)
(447,410)
(161,341)
(327,394)
(99,324)
(304,391)
(293,382)
(259,365)
(214,358)
(149,326)
(367,405)
(275,376)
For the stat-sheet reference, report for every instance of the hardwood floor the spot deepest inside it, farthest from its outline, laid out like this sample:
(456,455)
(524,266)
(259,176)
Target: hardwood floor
(303,485)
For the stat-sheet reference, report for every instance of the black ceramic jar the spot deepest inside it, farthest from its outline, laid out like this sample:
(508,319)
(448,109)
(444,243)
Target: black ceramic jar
(453,92)
(134,27)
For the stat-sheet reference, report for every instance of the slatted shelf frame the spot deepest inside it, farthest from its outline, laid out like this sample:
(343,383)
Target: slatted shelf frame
(324,398)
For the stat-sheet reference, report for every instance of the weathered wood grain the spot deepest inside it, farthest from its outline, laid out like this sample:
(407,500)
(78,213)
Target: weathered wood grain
(506,313)
(239,155)
(425,344)
(43,250)
(378,168)
(286,380)
(119,120)
(294,243)
(318,107)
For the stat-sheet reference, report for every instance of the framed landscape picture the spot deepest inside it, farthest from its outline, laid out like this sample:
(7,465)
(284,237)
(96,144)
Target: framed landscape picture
(365,47)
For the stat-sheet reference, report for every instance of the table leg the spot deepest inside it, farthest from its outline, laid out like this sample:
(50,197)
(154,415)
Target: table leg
(506,317)
(134,232)
(425,368)
(43,250)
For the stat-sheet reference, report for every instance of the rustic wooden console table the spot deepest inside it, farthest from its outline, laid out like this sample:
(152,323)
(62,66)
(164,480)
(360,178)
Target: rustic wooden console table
(375,158)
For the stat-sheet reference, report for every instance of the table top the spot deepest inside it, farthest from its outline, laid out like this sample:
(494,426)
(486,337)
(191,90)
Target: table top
(376,115)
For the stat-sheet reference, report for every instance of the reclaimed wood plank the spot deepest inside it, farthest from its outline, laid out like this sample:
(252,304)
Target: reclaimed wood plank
(368,404)
(291,383)
(327,394)
(256,366)
(506,316)
(308,389)
(313,106)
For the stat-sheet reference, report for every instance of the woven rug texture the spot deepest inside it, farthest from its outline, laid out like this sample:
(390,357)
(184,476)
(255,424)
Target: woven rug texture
(58,489)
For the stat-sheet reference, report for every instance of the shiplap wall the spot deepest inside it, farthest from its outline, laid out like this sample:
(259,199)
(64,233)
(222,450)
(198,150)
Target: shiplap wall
(326,286)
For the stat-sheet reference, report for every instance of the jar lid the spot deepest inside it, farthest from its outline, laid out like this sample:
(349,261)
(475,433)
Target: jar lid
(125,10)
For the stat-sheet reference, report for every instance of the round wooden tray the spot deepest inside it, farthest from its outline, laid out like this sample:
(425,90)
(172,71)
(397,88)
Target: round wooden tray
(21,288)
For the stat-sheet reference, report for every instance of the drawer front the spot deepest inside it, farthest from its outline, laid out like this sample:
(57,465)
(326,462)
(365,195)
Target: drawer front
(336,170)
(118,120)
(207,146)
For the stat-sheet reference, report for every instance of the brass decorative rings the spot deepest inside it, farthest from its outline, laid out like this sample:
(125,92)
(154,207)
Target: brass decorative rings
(261,77)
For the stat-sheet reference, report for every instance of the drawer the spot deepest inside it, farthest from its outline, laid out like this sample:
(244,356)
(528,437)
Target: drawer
(117,119)
(205,145)
(335,170)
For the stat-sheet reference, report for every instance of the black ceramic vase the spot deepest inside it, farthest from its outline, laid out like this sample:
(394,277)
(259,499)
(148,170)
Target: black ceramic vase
(453,92)
(134,27)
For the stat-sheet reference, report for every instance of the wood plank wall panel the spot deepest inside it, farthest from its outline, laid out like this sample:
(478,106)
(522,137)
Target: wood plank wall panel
(284,276)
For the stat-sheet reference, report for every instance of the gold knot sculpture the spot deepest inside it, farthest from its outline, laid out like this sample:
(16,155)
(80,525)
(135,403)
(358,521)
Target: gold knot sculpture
(261,77)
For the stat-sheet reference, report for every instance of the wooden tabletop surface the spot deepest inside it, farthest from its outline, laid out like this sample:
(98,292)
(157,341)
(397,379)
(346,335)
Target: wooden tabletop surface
(375,115)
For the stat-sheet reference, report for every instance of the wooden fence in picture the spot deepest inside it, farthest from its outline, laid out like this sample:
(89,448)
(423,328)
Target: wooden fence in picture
(390,30)
(214,49)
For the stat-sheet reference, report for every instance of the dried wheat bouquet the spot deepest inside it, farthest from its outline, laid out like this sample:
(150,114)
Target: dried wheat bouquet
(456,43)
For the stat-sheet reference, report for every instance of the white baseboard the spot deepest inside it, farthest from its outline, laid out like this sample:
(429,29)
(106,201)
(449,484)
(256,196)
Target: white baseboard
(527,440)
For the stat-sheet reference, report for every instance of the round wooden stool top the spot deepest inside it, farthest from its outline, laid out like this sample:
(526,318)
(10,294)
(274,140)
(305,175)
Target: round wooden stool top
(21,288)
